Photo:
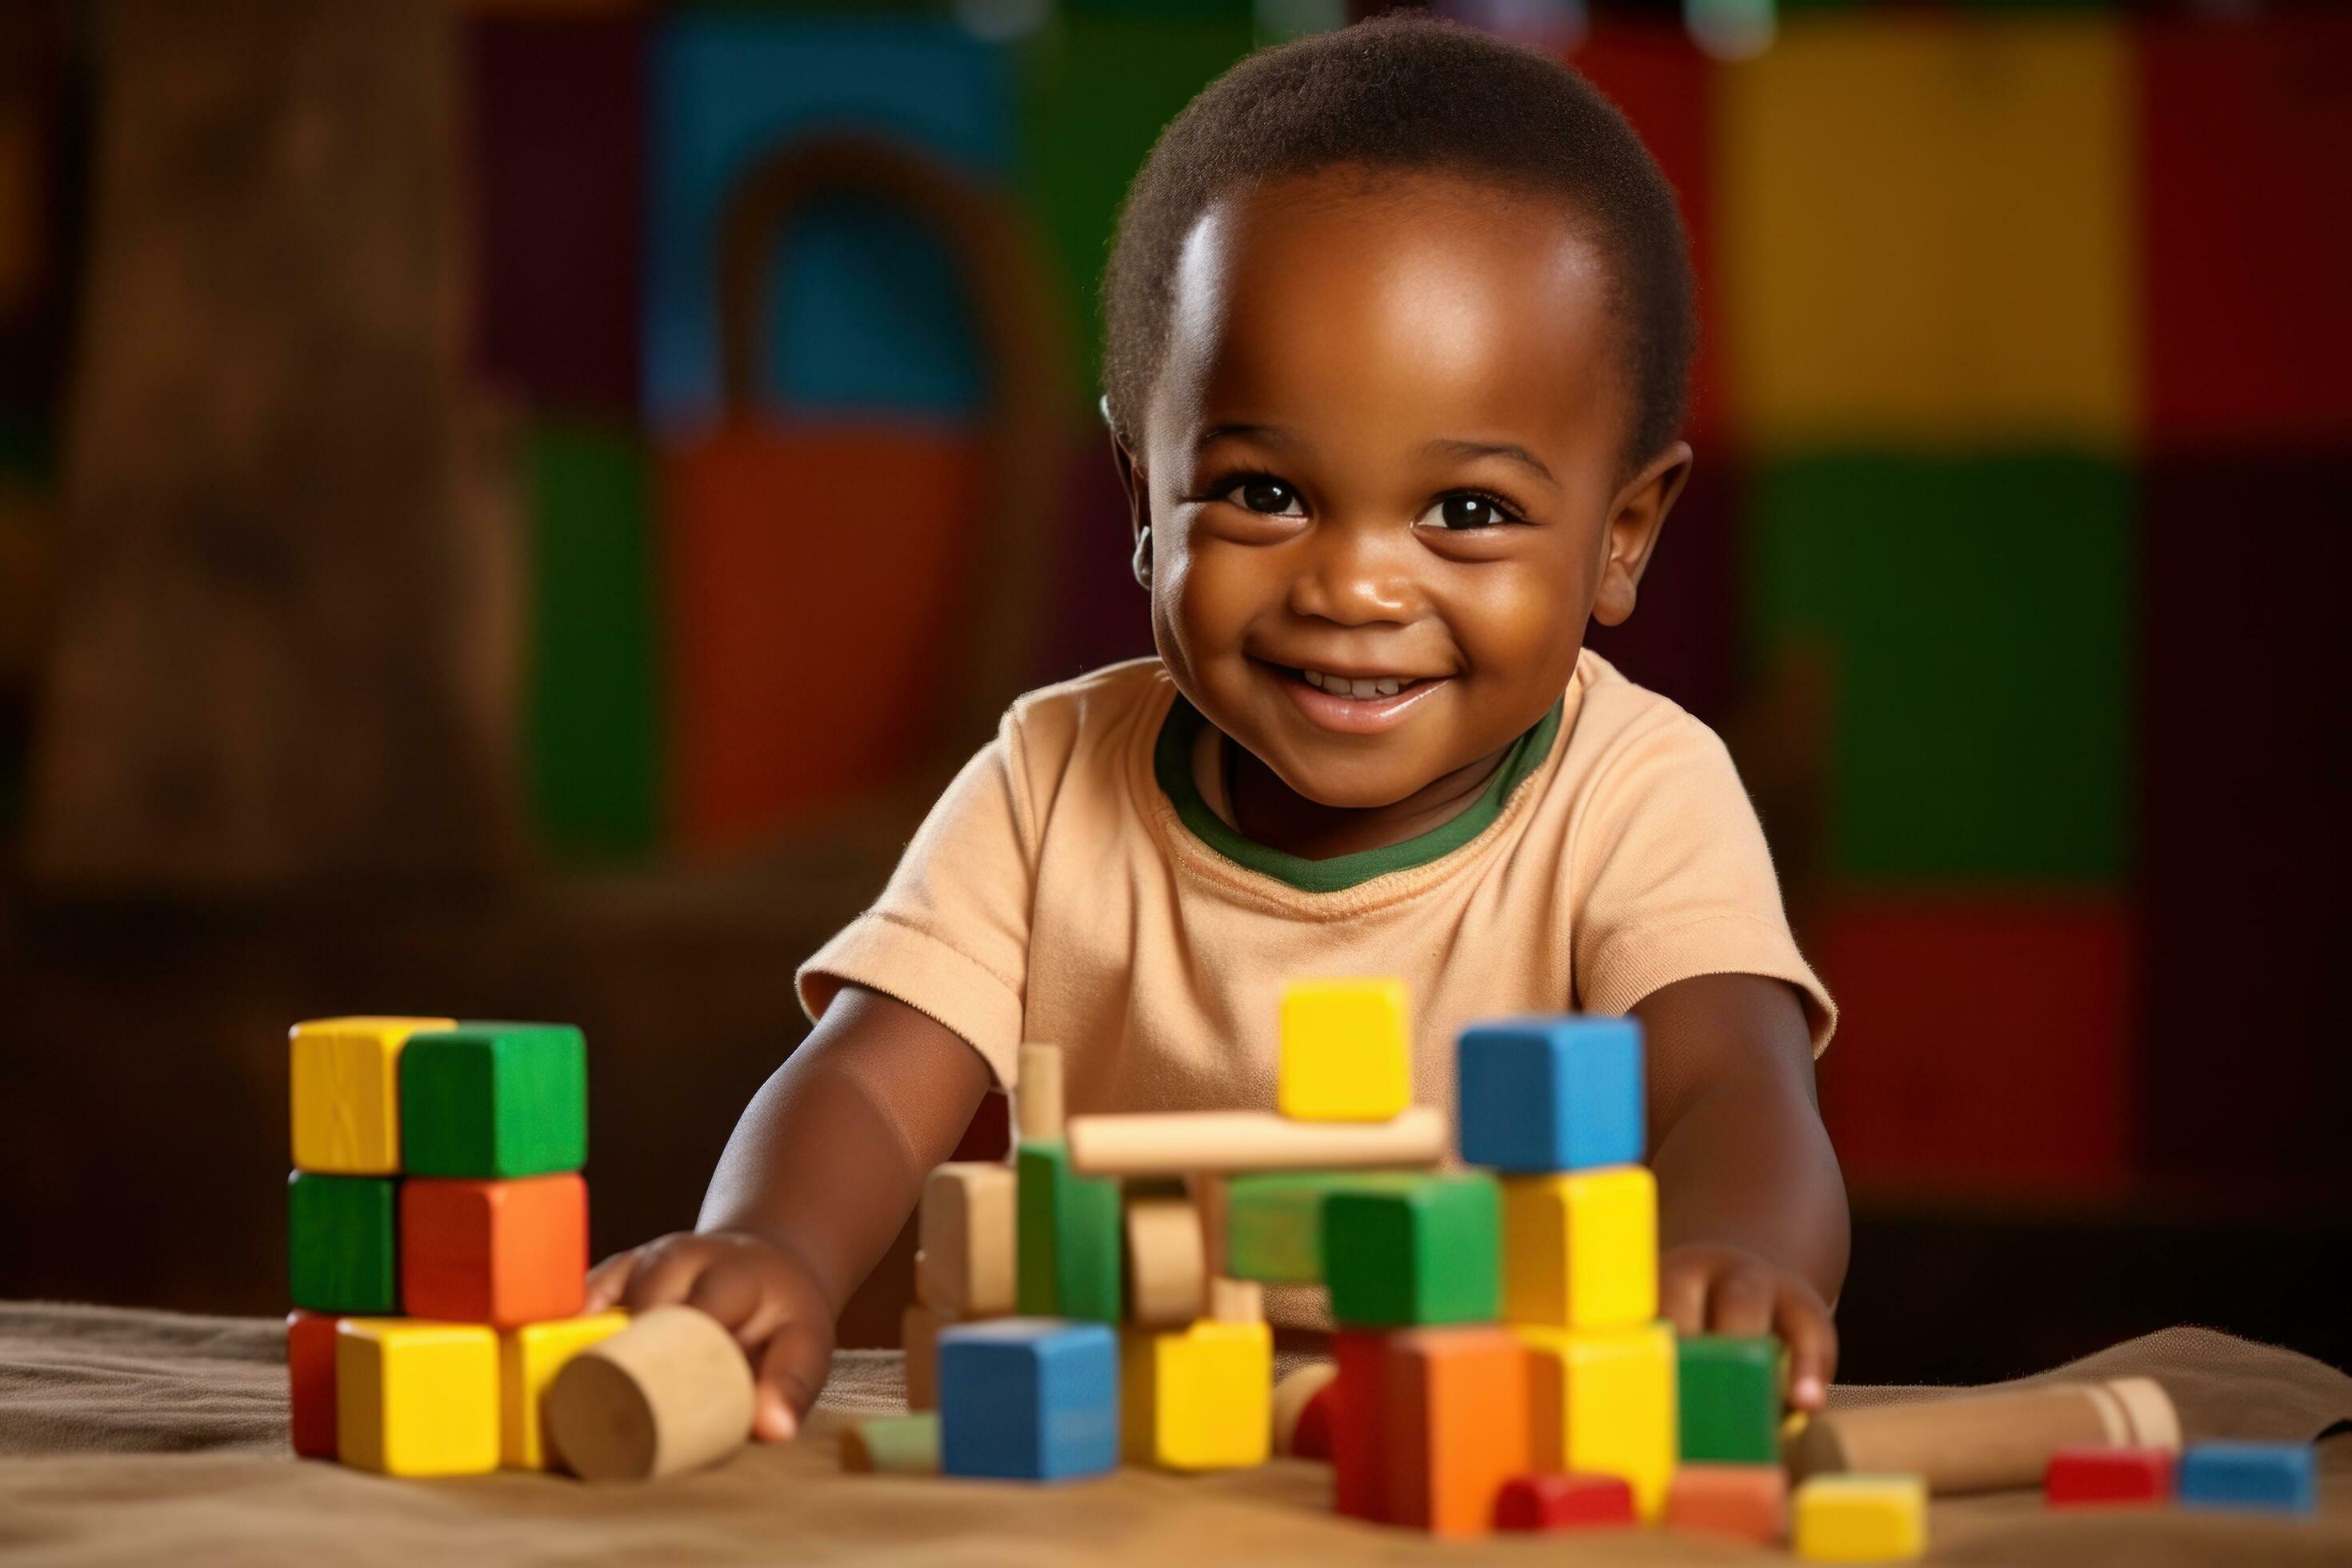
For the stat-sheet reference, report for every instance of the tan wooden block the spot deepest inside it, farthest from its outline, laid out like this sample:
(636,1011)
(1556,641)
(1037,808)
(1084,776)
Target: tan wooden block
(1236,1300)
(969,1219)
(1037,1095)
(1167,1263)
(669,1393)
(919,1335)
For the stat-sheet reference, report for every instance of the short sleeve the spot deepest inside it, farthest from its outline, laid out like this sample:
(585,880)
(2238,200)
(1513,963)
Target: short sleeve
(1673,878)
(950,935)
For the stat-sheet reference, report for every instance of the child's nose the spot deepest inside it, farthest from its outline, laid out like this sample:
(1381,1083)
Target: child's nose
(1355,574)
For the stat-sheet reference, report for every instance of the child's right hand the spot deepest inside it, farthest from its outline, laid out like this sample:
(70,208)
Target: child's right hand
(760,1292)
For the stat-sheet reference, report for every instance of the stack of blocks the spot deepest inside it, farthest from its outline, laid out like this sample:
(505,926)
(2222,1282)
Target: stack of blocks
(438,1239)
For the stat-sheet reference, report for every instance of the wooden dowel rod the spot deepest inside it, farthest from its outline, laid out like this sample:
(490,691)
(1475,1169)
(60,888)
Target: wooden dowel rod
(1174,1143)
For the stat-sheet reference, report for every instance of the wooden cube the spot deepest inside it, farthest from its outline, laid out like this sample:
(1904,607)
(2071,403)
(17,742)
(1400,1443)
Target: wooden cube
(1360,1401)
(1456,1426)
(969,1225)
(1554,1501)
(1602,1402)
(1581,1250)
(1422,1252)
(1748,1502)
(1729,1389)
(342,1243)
(502,1253)
(310,1382)
(529,1358)
(1028,1399)
(1067,1262)
(2099,1475)
(346,1077)
(1166,1262)
(919,1336)
(1274,1220)
(1346,1051)
(2258,1477)
(1859,1518)
(494,1101)
(1198,1398)
(417,1399)
(893,1445)
(1547,1094)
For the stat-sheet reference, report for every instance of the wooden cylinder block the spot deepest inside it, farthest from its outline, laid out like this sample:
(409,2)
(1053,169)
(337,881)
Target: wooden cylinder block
(669,1393)
(1037,1096)
(1989,1441)
(1291,1398)
(1167,1265)
(1174,1143)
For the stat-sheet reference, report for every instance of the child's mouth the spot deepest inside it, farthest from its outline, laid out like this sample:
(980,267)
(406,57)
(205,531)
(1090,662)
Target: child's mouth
(1355,704)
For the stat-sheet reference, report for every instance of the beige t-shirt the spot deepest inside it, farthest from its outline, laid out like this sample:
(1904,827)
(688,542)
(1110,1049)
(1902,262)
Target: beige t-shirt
(1078,885)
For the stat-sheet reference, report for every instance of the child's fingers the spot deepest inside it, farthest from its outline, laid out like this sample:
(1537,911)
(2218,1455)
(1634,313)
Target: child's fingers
(733,1296)
(666,1273)
(792,1371)
(1741,1303)
(1682,1299)
(608,1279)
(1805,1328)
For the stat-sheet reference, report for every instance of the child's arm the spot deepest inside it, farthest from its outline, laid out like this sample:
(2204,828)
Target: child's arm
(1752,1211)
(825,1166)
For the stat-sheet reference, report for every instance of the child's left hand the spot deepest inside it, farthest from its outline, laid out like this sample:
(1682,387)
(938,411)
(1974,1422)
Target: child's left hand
(1710,1290)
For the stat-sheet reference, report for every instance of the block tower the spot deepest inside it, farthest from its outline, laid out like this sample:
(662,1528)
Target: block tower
(438,1239)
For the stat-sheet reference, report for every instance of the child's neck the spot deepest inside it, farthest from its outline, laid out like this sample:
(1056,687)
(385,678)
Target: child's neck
(1268,811)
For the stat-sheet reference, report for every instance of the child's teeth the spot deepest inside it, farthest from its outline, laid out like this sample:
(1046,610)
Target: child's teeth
(1364,688)
(1313,678)
(1386,687)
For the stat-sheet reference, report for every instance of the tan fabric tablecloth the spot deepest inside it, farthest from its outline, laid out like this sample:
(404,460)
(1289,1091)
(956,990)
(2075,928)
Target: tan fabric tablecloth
(146,1437)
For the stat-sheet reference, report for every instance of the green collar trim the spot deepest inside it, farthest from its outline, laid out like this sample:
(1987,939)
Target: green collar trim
(1171,764)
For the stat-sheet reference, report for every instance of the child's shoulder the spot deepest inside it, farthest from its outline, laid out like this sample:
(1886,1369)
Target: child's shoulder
(1613,711)
(1097,714)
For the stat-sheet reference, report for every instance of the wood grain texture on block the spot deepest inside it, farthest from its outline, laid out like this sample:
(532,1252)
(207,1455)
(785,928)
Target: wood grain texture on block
(970,1220)
(1989,1441)
(669,1393)
(1167,1263)
(1168,1144)
(1037,1095)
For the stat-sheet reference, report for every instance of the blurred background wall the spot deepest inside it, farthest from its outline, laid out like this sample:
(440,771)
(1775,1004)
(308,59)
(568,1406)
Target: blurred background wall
(515,509)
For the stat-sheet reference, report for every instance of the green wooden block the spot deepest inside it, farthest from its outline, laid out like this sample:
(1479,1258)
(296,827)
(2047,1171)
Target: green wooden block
(1429,1251)
(488,1101)
(1729,1397)
(1273,1221)
(1975,615)
(342,1246)
(1068,1252)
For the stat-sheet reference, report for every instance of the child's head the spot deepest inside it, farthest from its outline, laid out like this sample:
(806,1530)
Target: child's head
(1399,323)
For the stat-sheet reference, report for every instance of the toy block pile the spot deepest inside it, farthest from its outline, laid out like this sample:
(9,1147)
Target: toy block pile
(438,1239)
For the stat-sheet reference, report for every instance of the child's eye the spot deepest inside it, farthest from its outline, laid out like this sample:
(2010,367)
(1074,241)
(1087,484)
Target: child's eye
(1467,510)
(1265,495)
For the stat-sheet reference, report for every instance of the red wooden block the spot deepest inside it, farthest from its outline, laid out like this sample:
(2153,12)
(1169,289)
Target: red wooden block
(310,1381)
(1557,1502)
(1311,1438)
(1458,1425)
(1747,1501)
(2108,1475)
(502,1253)
(1360,1449)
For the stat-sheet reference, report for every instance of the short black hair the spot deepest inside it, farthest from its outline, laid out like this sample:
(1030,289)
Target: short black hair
(1405,93)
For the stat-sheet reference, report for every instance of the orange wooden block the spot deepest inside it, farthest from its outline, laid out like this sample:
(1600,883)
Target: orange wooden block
(1748,1502)
(1458,1425)
(501,1253)
(310,1381)
(1359,1450)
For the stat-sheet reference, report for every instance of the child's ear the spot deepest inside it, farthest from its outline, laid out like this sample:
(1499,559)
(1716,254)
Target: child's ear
(1137,484)
(1635,520)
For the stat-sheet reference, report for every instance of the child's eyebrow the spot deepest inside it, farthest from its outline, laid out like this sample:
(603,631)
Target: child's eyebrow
(1516,454)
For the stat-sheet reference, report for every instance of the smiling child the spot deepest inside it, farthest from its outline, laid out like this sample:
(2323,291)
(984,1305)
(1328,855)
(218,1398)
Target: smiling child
(1398,321)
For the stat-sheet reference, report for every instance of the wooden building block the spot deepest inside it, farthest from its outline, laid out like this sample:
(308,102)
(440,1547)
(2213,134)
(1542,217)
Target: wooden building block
(342,1247)
(1456,1428)
(1554,1501)
(1425,1252)
(1236,1300)
(529,1358)
(1199,1398)
(489,1102)
(905,1445)
(969,1222)
(2108,1475)
(416,1398)
(2259,1478)
(1273,1221)
(919,1334)
(1859,1518)
(1748,1502)
(1038,1113)
(345,1077)
(1728,1391)
(1307,1387)
(1346,1050)
(669,1393)
(1178,1143)
(1068,1257)
(1989,1441)
(1029,1399)
(1167,1269)
(310,1382)
(1603,1403)
(1562,1093)
(502,1253)
(1360,1414)
(1581,1250)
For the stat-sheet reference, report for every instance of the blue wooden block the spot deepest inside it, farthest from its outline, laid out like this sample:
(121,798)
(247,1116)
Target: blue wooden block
(2267,1477)
(1028,1399)
(1550,1093)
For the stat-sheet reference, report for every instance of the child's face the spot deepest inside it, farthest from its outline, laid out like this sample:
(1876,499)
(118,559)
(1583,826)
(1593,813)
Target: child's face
(1387,445)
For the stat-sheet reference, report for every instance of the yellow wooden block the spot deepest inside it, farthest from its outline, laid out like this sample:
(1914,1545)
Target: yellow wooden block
(1859,1518)
(1602,1401)
(529,1358)
(1346,1050)
(1927,233)
(1580,1249)
(1200,1398)
(346,1092)
(417,1399)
